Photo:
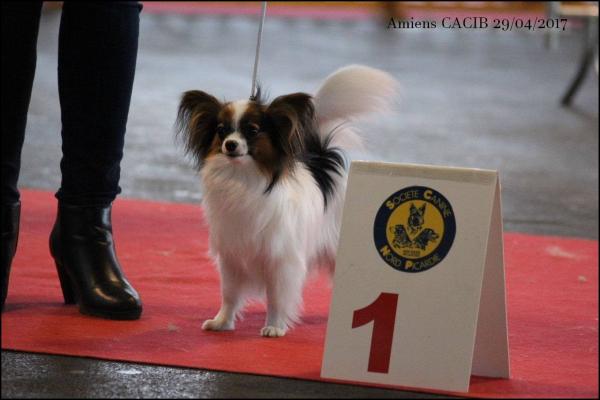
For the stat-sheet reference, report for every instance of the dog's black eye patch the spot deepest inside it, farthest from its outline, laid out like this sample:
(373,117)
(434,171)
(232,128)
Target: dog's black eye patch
(251,130)
(220,130)
(223,130)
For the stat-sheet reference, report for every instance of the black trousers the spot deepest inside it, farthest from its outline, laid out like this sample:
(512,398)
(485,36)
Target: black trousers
(97,54)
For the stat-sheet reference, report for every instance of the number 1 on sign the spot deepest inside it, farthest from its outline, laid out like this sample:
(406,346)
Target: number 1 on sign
(383,314)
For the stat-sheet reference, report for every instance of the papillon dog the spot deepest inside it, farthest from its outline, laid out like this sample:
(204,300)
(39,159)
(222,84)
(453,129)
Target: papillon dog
(274,178)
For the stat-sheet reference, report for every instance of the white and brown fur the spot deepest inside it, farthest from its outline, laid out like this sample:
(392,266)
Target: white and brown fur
(274,179)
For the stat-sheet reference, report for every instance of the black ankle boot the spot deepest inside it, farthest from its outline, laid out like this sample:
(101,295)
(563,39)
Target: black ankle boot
(82,245)
(10,237)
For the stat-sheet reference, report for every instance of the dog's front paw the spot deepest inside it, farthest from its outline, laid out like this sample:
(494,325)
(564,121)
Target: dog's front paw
(218,324)
(271,331)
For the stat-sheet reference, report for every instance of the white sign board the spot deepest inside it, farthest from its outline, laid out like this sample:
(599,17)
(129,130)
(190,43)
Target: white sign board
(418,292)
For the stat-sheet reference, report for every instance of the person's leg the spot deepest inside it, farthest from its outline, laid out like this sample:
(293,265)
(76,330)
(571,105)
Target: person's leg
(96,66)
(20,23)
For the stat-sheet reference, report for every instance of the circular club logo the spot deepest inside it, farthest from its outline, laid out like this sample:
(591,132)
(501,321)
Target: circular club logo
(414,229)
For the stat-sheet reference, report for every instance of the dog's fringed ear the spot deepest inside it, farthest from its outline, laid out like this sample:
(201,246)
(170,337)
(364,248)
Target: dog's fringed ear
(299,104)
(197,122)
(287,119)
(292,115)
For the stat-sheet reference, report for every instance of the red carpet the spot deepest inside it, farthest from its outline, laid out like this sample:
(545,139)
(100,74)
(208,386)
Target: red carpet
(552,288)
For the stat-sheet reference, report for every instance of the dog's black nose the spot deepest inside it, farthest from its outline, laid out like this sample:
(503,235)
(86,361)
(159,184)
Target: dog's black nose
(231,145)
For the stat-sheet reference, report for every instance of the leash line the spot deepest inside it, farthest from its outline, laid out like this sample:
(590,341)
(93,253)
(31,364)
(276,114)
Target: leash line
(256,56)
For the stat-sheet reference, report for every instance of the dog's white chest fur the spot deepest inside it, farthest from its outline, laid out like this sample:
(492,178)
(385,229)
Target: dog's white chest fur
(255,227)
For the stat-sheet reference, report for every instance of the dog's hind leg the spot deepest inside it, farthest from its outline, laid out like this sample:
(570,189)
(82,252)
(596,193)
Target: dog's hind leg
(233,297)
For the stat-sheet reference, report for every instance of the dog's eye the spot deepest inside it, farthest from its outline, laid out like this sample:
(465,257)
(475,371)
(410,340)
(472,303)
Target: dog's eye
(220,130)
(253,130)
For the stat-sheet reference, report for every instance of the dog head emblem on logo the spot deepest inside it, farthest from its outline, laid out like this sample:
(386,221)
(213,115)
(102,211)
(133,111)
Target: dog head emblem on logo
(414,229)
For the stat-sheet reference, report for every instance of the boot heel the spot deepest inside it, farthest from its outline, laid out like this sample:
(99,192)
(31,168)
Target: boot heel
(65,284)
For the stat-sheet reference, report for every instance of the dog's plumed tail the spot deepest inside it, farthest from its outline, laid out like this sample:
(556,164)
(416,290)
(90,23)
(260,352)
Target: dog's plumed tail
(350,93)
(353,91)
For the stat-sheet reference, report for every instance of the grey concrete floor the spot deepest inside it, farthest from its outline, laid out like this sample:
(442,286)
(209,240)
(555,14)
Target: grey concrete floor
(483,99)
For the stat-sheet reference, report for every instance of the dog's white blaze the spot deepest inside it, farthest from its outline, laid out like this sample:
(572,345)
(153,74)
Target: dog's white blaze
(238,107)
